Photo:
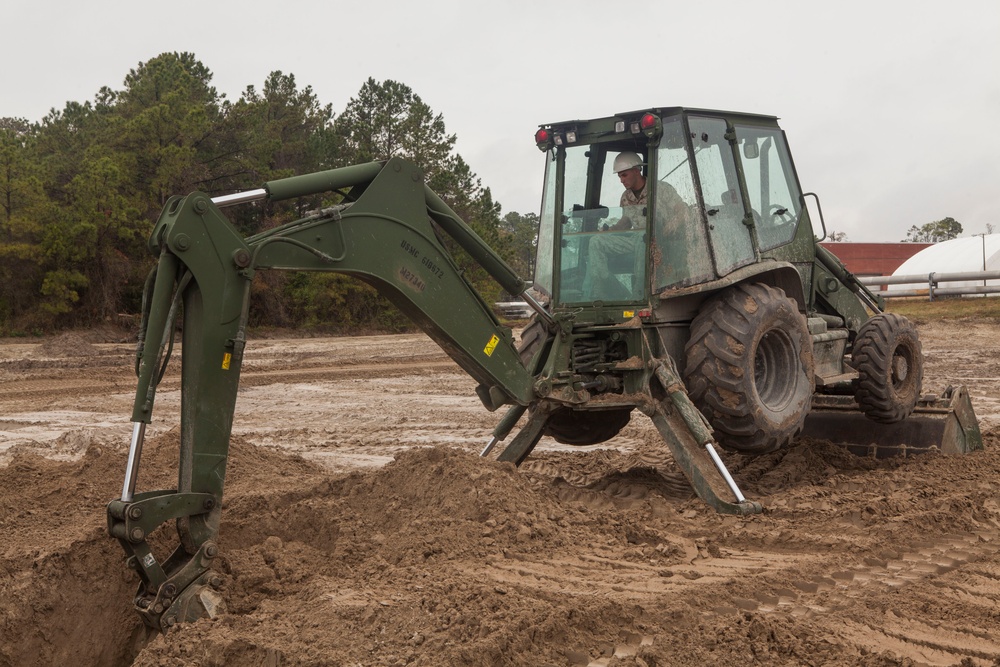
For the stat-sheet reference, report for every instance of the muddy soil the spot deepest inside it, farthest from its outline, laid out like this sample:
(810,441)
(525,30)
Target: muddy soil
(361,527)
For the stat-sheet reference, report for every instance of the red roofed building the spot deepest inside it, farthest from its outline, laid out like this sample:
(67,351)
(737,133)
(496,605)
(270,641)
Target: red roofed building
(873,259)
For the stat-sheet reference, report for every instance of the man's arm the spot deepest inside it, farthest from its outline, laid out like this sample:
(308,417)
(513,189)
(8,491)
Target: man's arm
(622,225)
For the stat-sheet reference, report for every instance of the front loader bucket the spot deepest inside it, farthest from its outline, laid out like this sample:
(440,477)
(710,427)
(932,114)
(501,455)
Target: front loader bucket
(945,423)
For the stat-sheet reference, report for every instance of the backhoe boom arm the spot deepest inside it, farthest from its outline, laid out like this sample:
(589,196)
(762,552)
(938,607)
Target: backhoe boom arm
(384,237)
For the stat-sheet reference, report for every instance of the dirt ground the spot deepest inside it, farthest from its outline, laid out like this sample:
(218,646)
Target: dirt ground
(361,528)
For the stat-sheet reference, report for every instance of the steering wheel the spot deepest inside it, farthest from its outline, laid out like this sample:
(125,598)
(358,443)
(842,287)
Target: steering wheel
(782,214)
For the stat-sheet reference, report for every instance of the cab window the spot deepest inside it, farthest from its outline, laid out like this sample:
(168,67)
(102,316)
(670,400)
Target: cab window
(597,260)
(771,184)
(680,255)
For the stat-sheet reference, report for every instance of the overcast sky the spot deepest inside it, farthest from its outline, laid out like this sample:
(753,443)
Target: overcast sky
(892,109)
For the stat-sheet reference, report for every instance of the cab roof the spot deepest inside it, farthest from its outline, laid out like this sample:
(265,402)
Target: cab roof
(667,111)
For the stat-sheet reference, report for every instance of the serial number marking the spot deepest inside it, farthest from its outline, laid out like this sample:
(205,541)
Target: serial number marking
(434,268)
(426,262)
(412,279)
(491,346)
(405,245)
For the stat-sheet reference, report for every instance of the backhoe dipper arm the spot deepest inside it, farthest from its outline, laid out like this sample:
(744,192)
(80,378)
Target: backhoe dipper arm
(384,237)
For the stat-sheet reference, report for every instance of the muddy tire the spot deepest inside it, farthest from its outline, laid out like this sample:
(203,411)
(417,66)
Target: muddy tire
(750,368)
(890,367)
(586,427)
(532,337)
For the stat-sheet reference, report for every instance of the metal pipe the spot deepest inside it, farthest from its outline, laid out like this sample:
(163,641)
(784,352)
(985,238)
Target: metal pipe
(827,336)
(239,197)
(819,207)
(504,428)
(309,184)
(537,307)
(971,289)
(132,467)
(323,181)
(487,258)
(941,291)
(938,278)
(984,256)
(725,473)
(489,446)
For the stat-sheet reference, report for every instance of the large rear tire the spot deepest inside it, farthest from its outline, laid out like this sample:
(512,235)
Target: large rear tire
(890,365)
(750,367)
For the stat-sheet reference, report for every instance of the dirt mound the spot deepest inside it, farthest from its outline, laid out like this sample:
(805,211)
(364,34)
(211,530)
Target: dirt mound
(52,592)
(441,557)
(81,343)
(387,566)
(584,557)
(69,344)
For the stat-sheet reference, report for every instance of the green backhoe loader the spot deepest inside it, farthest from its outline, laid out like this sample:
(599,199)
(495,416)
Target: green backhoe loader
(702,299)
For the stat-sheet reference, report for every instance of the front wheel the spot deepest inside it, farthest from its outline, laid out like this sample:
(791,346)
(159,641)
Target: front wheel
(890,367)
(750,367)
(586,427)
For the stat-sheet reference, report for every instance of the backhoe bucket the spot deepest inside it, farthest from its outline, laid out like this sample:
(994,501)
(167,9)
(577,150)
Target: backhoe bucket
(945,423)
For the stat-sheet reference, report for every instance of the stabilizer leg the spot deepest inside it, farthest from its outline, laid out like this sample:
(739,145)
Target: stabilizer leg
(527,437)
(689,438)
(697,465)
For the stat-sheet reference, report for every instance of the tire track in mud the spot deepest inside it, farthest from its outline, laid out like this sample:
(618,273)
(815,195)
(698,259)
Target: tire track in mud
(90,390)
(635,479)
(678,567)
(959,571)
(948,613)
(598,572)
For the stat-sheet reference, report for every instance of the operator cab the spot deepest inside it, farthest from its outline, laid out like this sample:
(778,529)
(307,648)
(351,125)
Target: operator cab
(721,192)
(598,227)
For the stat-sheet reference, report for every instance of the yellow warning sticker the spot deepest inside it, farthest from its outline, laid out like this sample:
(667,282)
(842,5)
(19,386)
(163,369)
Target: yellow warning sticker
(492,345)
(227,359)
(628,313)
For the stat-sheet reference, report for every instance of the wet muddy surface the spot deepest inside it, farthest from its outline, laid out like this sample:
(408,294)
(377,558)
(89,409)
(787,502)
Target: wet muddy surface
(360,526)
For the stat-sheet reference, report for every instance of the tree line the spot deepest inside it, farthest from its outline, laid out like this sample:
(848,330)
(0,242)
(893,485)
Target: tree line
(932,232)
(81,189)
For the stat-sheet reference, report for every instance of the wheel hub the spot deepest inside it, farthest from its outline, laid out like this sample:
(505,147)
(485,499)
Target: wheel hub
(900,369)
(774,363)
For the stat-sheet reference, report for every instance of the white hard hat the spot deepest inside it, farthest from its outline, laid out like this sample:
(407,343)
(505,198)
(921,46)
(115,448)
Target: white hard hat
(626,160)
